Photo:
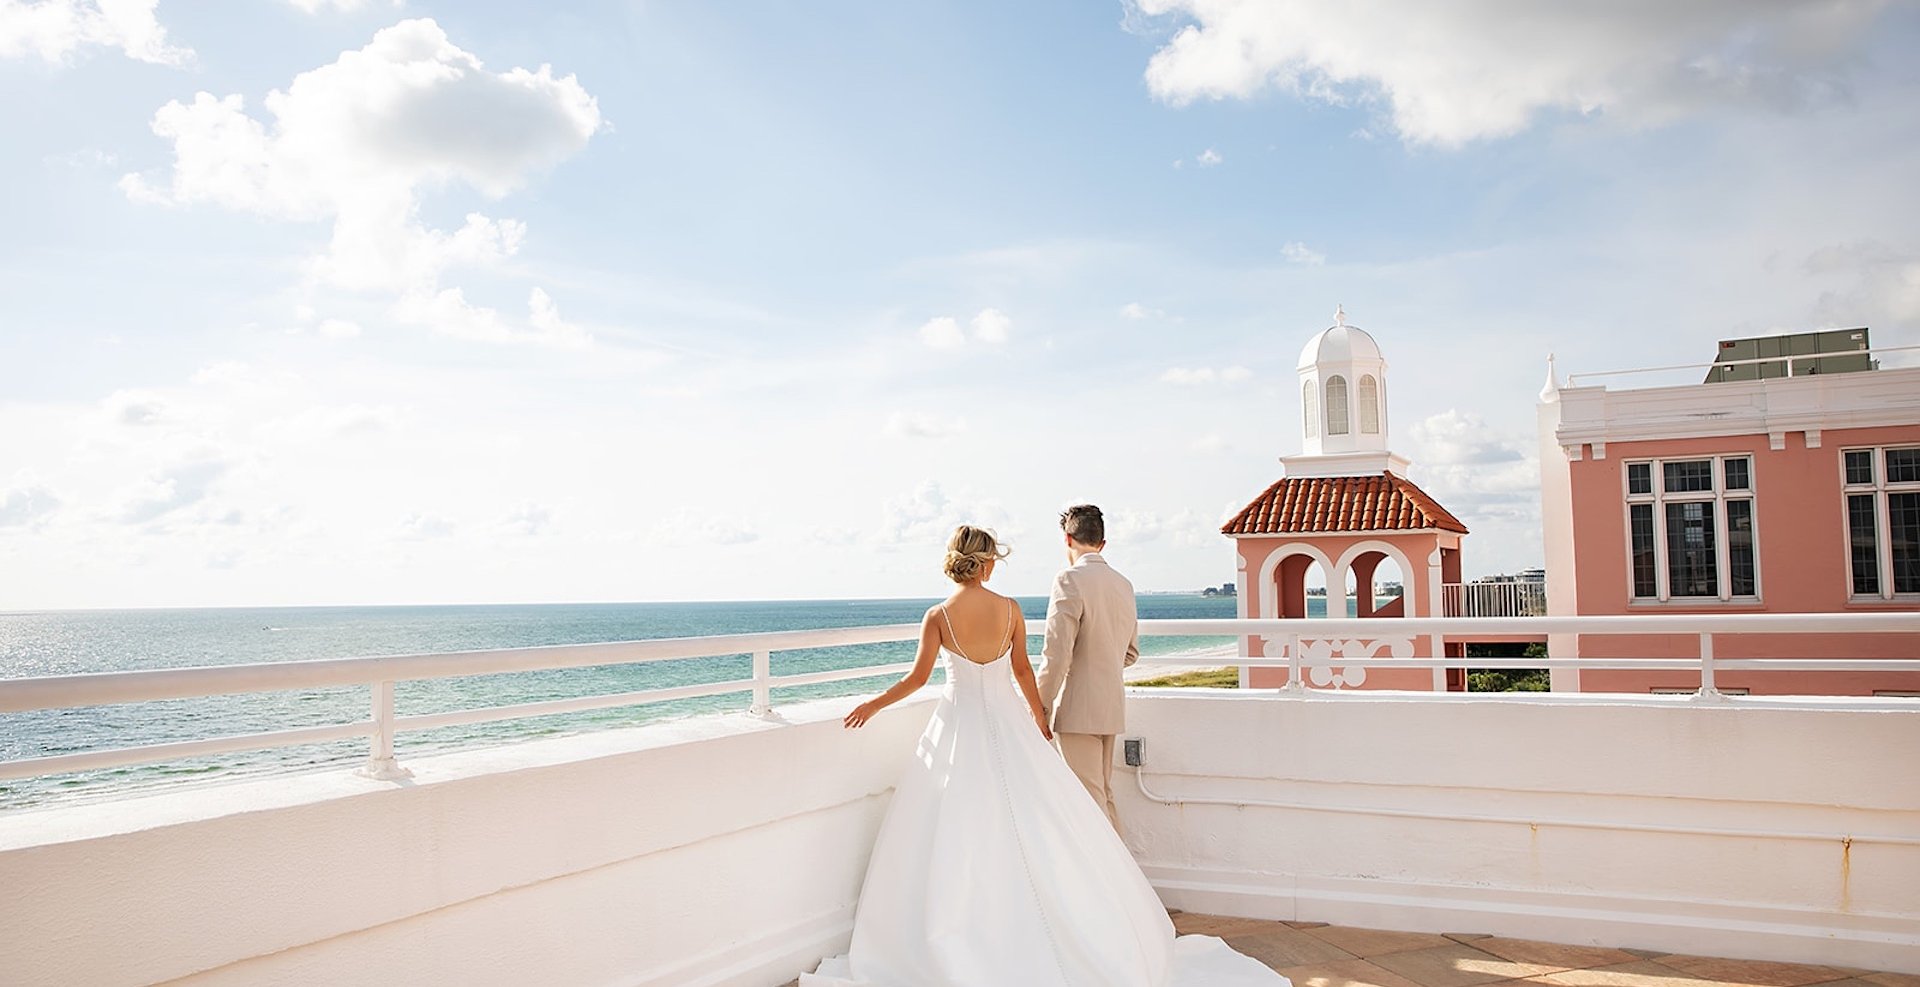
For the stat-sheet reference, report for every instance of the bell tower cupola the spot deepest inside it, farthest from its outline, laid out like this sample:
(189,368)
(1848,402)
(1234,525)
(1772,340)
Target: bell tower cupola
(1343,405)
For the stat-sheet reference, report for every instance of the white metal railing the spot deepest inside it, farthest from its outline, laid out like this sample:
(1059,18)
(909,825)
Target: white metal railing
(1301,645)
(380,673)
(1504,599)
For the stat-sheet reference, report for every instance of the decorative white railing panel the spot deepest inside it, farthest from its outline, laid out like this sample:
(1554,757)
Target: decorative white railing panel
(1325,652)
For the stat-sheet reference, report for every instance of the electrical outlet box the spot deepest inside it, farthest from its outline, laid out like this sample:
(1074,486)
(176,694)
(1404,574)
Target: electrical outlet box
(1132,748)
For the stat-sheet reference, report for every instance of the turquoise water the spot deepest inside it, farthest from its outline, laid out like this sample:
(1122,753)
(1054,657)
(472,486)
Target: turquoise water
(70,642)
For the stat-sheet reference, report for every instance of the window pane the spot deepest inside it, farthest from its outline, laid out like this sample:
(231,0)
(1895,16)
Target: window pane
(1640,518)
(1639,478)
(1309,410)
(1740,580)
(1903,465)
(1903,531)
(1693,474)
(1863,547)
(1369,405)
(1736,472)
(1690,563)
(1336,405)
(1860,466)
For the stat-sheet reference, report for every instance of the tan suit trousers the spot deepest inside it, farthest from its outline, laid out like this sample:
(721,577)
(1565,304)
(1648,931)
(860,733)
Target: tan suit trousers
(1090,756)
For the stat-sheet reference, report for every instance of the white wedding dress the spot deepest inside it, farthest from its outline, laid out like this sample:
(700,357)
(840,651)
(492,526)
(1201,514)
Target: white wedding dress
(995,869)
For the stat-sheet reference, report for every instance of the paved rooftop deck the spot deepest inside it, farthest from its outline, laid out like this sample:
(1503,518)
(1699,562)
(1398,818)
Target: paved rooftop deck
(1314,954)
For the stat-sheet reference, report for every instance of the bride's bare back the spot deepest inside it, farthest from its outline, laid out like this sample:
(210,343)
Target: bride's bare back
(978,624)
(975,623)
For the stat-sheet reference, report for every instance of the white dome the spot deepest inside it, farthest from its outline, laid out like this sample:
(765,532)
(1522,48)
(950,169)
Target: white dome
(1339,344)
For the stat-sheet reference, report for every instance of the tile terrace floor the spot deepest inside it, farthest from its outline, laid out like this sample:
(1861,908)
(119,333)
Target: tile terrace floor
(1314,954)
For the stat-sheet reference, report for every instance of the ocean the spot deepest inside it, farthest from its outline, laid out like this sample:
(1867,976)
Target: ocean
(70,642)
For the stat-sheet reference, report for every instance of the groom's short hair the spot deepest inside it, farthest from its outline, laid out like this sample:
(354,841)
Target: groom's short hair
(1084,524)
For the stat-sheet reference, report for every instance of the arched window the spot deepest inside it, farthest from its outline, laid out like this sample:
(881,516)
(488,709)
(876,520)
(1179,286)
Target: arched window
(1309,410)
(1369,405)
(1336,405)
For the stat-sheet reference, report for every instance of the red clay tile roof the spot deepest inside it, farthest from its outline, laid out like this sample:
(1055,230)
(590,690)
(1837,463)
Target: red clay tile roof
(1342,503)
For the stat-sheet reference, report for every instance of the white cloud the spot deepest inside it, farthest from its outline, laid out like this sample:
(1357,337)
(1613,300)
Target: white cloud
(1482,474)
(1451,437)
(338,329)
(547,325)
(528,520)
(347,6)
(135,408)
(1139,312)
(1205,375)
(943,333)
(421,527)
(448,312)
(683,528)
(169,489)
(1456,72)
(84,159)
(924,519)
(1134,527)
(1882,283)
(1210,443)
(228,373)
(991,326)
(353,143)
(1299,253)
(331,421)
(909,425)
(55,29)
(1208,158)
(25,501)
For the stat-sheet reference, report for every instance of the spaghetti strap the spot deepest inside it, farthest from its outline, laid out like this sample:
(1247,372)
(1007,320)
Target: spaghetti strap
(1013,620)
(950,634)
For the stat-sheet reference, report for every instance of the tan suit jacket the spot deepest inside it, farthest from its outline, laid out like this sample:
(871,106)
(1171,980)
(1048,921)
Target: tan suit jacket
(1092,634)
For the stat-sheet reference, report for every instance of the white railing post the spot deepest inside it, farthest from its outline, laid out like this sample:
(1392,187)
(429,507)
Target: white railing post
(1709,690)
(762,683)
(1295,681)
(380,764)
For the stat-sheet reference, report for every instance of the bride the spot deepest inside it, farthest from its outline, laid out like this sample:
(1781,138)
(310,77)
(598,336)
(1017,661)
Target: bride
(993,867)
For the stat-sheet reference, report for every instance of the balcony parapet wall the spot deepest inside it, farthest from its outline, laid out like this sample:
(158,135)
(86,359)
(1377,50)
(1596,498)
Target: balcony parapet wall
(709,850)
(729,849)
(1786,834)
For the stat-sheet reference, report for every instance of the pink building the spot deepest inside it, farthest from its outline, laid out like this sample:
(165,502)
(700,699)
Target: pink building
(1345,506)
(1791,494)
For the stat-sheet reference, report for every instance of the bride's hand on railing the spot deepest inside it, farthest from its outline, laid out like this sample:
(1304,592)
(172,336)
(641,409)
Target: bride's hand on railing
(861,714)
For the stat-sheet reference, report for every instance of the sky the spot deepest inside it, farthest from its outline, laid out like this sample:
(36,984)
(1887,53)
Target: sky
(369,302)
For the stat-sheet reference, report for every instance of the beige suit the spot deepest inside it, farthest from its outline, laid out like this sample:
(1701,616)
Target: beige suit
(1092,634)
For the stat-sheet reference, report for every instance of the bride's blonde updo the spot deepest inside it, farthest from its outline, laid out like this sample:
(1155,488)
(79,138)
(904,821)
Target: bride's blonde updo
(969,552)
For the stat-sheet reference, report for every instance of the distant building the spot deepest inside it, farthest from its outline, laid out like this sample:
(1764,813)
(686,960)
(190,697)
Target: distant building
(1788,482)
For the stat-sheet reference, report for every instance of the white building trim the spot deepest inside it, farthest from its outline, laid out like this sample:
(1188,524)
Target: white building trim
(1772,407)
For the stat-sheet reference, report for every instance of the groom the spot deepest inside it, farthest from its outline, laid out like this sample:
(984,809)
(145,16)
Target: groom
(1091,635)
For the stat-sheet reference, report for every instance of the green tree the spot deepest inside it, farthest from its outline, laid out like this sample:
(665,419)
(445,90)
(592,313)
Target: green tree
(1507,679)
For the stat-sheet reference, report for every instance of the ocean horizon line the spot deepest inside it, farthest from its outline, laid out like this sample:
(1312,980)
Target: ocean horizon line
(186,608)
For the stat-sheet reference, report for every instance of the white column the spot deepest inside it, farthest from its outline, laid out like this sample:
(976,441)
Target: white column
(1556,530)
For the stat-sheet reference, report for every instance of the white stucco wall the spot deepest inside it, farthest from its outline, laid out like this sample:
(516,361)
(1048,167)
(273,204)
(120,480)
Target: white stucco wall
(724,849)
(728,850)
(1647,823)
